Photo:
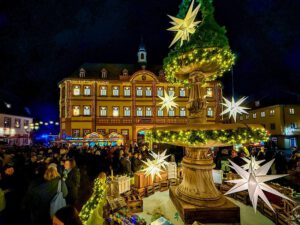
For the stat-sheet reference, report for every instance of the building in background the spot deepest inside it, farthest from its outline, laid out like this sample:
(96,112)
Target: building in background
(283,122)
(123,99)
(15,130)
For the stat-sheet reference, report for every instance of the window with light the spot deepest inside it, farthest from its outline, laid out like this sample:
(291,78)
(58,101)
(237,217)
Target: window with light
(7,122)
(182,112)
(160,112)
(87,110)
(210,112)
(127,111)
(292,111)
(115,111)
(171,112)
(76,133)
(76,90)
(148,91)
(182,92)
(148,111)
(254,115)
(272,112)
(262,114)
(247,117)
(87,90)
(241,118)
(17,123)
(115,91)
(160,91)
(103,91)
(171,91)
(139,91)
(209,92)
(76,110)
(139,111)
(103,111)
(127,91)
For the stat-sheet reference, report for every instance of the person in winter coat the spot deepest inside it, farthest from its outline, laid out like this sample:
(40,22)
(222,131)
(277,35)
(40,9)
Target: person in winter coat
(126,164)
(38,197)
(71,176)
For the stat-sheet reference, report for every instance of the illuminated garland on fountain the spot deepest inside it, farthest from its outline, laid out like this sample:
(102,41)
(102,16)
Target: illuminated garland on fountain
(97,199)
(194,137)
(208,48)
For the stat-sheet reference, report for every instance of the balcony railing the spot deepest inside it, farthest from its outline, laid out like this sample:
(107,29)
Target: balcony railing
(141,120)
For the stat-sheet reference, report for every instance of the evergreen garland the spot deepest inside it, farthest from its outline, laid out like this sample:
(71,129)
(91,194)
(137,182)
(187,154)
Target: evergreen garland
(194,137)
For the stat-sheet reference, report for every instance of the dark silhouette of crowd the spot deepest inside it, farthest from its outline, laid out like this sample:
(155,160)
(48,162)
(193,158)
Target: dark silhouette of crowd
(29,177)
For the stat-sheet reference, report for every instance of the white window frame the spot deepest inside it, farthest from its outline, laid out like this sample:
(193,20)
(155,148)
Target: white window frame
(127,111)
(139,91)
(148,111)
(209,92)
(292,111)
(254,115)
(160,91)
(182,92)
(210,112)
(115,111)
(160,113)
(86,110)
(171,90)
(116,91)
(148,91)
(182,112)
(127,91)
(76,90)
(139,111)
(272,112)
(103,91)
(262,114)
(76,107)
(171,112)
(103,111)
(87,90)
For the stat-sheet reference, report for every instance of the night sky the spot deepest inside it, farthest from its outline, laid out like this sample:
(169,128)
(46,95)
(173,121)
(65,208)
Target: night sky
(41,42)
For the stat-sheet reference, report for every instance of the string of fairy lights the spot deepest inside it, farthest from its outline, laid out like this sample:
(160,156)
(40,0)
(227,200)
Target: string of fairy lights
(37,125)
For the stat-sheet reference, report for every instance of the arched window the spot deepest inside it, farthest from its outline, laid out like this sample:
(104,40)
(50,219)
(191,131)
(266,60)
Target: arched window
(210,112)
(125,72)
(103,73)
(76,90)
(142,56)
(82,73)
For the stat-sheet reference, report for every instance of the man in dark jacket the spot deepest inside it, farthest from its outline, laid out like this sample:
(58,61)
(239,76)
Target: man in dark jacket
(126,164)
(71,176)
(135,163)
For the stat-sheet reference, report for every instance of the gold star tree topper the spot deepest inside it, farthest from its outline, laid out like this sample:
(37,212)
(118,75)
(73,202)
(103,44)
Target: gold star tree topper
(184,27)
(234,108)
(168,102)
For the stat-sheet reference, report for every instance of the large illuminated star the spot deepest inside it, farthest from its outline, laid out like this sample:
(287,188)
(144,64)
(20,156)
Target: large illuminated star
(168,102)
(184,27)
(160,159)
(254,182)
(152,168)
(251,163)
(234,108)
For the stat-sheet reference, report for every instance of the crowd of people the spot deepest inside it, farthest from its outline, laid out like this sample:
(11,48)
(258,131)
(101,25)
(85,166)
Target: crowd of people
(29,176)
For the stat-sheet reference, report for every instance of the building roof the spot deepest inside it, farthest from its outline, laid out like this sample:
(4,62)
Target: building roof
(93,70)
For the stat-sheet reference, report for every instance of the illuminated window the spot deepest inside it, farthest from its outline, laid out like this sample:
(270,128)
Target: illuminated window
(209,92)
(160,91)
(294,126)
(17,123)
(247,117)
(103,111)
(126,91)
(292,111)
(127,111)
(87,90)
(210,112)
(254,115)
(87,110)
(139,91)
(115,91)
(103,91)
(26,124)
(76,110)
(139,111)
(241,118)
(262,114)
(148,111)
(171,91)
(171,112)
(272,112)
(160,112)
(148,91)
(76,90)
(86,132)
(101,131)
(182,92)
(115,111)
(125,132)
(7,122)
(182,112)
(75,133)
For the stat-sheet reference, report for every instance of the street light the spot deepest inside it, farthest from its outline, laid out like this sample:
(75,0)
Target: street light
(46,124)
(56,123)
(51,122)
(41,122)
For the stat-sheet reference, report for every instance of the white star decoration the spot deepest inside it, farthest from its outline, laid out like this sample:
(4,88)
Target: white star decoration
(253,181)
(184,27)
(251,163)
(168,102)
(234,108)
(153,167)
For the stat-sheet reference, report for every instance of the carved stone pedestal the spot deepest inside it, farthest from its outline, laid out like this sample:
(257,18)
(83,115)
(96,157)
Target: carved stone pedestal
(197,198)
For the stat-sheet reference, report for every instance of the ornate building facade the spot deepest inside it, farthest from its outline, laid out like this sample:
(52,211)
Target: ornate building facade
(123,98)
